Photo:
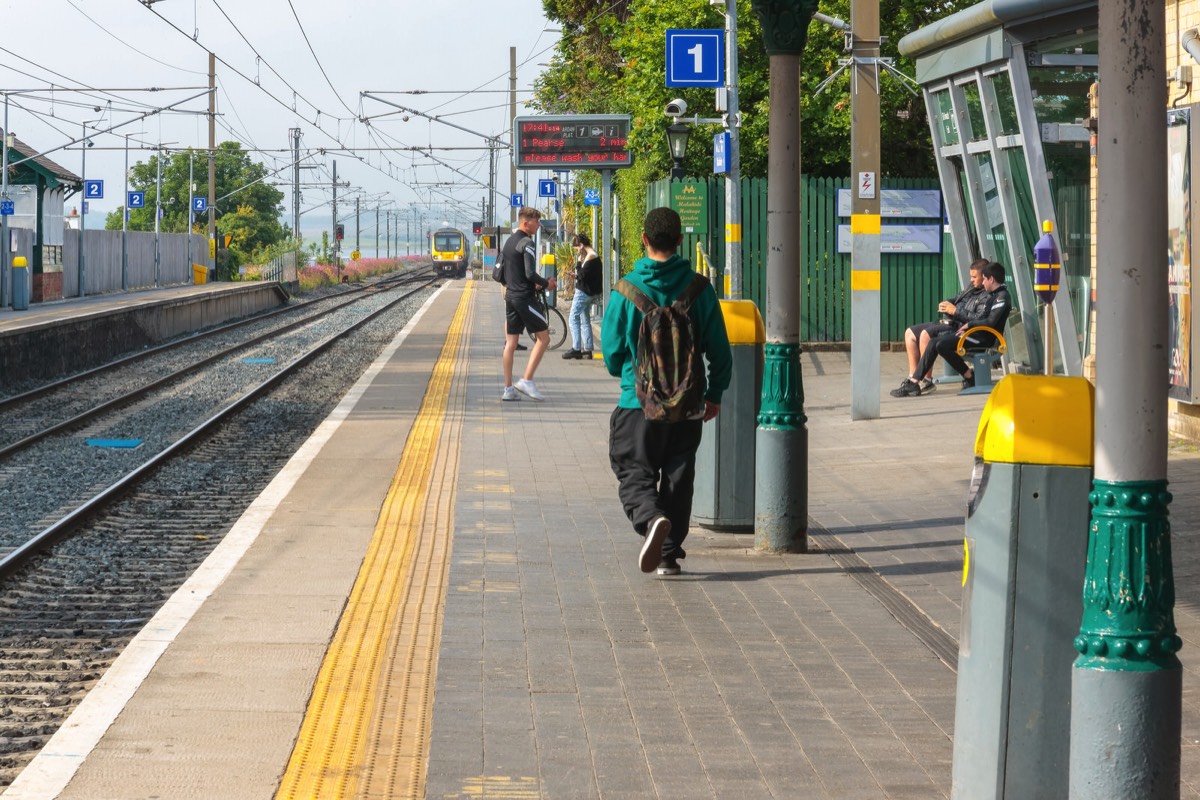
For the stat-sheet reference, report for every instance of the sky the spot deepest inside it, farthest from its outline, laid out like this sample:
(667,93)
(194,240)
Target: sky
(269,80)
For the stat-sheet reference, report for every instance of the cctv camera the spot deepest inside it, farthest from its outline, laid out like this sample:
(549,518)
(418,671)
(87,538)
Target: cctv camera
(676,108)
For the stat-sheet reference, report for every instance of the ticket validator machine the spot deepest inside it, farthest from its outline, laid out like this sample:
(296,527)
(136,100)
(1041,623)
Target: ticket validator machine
(1025,552)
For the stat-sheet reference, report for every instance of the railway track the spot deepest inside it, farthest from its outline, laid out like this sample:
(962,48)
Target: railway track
(69,605)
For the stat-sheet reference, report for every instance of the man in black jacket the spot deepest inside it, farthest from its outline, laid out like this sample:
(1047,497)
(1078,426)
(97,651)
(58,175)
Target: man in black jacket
(522,310)
(993,314)
(955,311)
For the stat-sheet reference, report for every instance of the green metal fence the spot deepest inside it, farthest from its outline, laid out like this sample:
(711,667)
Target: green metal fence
(910,283)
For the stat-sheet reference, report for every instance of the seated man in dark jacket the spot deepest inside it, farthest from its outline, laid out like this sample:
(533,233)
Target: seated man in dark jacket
(955,311)
(993,314)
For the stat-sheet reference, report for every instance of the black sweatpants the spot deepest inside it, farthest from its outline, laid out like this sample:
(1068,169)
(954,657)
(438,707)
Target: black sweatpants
(655,465)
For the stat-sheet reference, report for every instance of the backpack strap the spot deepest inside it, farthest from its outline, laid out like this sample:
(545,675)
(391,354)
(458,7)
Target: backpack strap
(636,296)
(688,296)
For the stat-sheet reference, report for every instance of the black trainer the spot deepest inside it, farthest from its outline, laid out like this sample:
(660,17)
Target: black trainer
(927,386)
(586,355)
(572,354)
(969,383)
(907,388)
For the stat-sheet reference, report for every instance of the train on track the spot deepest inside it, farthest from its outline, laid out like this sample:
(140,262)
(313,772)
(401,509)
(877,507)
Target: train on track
(450,251)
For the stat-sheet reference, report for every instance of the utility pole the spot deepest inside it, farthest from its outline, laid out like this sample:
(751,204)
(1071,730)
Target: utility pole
(1126,684)
(377,231)
(781,439)
(157,210)
(212,154)
(4,269)
(337,244)
(512,118)
(490,213)
(83,148)
(388,239)
(191,214)
(733,181)
(357,228)
(295,133)
(125,224)
(864,210)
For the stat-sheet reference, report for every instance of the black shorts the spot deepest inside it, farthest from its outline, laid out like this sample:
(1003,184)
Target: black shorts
(935,329)
(523,314)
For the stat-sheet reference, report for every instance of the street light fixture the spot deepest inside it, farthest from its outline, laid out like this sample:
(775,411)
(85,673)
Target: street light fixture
(677,139)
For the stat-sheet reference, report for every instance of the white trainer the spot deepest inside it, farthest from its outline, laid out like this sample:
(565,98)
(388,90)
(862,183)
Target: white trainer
(510,394)
(529,389)
(656,533)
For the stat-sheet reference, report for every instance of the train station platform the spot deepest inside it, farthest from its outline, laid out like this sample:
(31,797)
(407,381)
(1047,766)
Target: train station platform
(52,339)
(439,597)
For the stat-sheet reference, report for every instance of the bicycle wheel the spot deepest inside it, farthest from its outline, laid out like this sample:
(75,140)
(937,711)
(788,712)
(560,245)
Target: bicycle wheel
(556,327)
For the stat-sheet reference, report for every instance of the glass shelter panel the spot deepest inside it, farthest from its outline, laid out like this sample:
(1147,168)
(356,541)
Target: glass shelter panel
(975,111)
(1006,106)
(946,117)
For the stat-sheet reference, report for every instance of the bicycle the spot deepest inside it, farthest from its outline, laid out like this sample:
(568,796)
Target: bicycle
(555,322)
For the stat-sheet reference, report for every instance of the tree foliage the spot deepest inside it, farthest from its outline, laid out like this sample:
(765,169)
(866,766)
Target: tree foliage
(611,59)
(250,213)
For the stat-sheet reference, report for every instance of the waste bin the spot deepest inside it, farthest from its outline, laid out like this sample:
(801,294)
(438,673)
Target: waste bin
(199,274)
(1025,550)
(724,496)
(550,271)
(20,284)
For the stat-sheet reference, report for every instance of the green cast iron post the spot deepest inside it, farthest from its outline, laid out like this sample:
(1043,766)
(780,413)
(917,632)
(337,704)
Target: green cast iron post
(1126,685)
(781,439)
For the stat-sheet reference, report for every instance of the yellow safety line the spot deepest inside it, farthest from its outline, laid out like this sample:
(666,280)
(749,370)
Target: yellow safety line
(354,697)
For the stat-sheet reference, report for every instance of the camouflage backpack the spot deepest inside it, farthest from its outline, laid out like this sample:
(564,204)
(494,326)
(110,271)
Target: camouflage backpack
(669,372)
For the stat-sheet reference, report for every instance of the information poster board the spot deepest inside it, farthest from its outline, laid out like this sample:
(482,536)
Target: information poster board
(690,200)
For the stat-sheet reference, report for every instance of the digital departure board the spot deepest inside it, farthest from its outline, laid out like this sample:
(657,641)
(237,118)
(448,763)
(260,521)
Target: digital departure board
(586,141)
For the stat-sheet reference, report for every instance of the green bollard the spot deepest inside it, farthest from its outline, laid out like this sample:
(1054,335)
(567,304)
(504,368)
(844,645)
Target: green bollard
(724,498)
(1025,550)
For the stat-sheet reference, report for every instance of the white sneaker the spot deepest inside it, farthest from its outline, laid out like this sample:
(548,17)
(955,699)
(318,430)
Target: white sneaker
(529,389)
(510,394)
(656,533)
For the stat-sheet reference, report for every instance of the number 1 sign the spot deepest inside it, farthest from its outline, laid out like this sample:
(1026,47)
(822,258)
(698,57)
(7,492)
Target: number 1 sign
(696,58)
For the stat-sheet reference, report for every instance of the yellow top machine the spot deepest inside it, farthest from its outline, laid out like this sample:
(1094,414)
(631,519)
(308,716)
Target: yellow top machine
(450,252)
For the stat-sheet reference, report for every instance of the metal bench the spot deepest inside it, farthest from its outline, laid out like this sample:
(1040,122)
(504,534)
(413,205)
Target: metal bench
(981,358)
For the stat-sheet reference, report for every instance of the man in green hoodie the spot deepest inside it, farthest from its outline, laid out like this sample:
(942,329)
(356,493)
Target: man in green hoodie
(655,462)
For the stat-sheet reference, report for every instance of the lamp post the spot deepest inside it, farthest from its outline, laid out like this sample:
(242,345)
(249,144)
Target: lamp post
(677,139)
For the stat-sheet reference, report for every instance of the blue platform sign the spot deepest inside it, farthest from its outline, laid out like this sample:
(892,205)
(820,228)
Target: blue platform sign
(6,208)
(696,58)
(547,188)
(721,152)
(93,190)
(591,197)
(137,200)
(518,200)
(199,204)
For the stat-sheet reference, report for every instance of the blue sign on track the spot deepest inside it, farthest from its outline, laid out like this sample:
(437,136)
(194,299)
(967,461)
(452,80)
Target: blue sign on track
(547,188)
(696,58)
(591,197)
(518,200)
(93,190)
(137,200)
(6,208)
(199,204)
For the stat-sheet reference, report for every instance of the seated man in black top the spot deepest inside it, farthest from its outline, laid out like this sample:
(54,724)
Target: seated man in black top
(993,314)
(954,312)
